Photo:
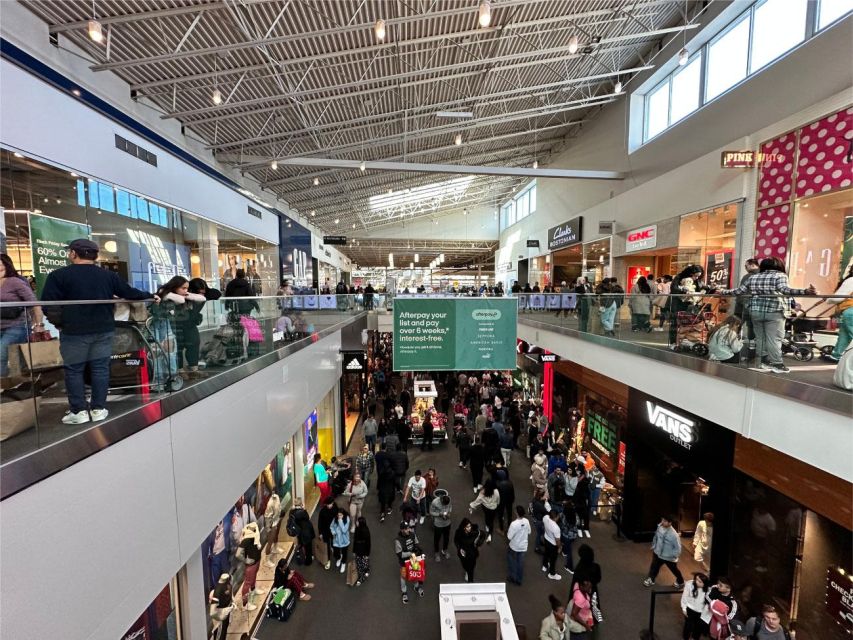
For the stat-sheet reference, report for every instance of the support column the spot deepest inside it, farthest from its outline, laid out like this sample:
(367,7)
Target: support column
(192,598)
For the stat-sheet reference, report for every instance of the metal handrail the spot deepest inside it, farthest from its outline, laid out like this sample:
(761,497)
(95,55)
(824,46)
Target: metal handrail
(653,595)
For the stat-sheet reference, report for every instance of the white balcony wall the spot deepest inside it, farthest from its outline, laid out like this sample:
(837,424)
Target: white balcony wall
(108,533)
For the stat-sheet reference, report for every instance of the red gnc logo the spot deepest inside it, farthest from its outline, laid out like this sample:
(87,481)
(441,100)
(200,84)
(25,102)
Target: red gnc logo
(641,235)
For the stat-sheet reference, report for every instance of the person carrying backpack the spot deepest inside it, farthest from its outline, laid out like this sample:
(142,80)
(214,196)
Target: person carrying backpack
(767,627)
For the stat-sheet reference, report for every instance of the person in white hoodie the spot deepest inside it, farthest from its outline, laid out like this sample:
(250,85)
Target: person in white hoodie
(693,605)
(517,536)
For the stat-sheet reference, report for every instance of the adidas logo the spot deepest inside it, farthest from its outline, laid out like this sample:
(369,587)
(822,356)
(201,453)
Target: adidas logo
(354,365)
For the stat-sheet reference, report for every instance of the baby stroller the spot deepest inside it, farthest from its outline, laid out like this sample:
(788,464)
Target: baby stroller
(139,360)
(228,346)
(799,335)
(692,329)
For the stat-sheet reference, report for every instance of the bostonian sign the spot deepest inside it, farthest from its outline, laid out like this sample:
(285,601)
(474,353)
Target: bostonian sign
(564,235)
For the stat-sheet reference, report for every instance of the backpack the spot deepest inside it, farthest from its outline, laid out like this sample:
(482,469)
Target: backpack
(757,629)
(281,604)
(568,530)
(292,529)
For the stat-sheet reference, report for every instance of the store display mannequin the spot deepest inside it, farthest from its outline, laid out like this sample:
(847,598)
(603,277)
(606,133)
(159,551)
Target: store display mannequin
(242,515)
(220,547)
(221,605)
(272,524)
(249,553)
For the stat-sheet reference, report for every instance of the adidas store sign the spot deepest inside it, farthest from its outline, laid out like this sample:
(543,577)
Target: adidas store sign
(354,365)
(354,362)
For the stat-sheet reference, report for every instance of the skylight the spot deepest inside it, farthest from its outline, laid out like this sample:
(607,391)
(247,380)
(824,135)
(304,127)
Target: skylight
(429,197)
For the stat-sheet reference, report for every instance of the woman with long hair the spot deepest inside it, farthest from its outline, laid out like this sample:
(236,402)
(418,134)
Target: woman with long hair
(724,341)
(186,325)
(490,500)
(692,606)
(467,541)
(688,281)
(15,322)
(361,550)
(166,315)
(640,303)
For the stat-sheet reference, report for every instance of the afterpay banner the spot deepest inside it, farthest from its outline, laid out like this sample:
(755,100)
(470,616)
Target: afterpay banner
(441,334)
(49,238)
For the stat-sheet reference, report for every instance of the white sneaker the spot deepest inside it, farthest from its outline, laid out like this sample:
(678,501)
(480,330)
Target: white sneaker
(489,539)
(99,414)
(544,568)
(338,562)
(269,563)
(260,590)
(461,464)
(343,568)
(75,418)
(277,549)
(422,520)
(251,607)
(555,576)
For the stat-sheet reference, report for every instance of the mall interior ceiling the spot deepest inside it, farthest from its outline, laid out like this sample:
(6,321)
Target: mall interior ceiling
(263,83)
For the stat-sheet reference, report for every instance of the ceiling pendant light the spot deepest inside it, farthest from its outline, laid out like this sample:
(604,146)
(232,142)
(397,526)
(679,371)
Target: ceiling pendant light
(353,226)
(313,213)
(362,167)
(617,88)
(337,220)
(458,139)
(379,30)
(274,165)
(216,97)
(535,164)
(464,212)
(485,17)
(683,55)
(316,181)
(417,257)
(574,45)
(96,31)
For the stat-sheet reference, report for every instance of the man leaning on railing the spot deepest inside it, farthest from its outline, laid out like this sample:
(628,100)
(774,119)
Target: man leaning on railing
(86,329)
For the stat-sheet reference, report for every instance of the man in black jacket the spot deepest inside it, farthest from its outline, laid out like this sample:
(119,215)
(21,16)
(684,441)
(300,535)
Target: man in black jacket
(240,287)
(87,330)
(406,546)
(399,464)
(305,530)
(324,526)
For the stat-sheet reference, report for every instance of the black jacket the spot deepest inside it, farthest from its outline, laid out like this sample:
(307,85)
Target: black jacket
(241,288)
(324,522)
(303,522)
(361,542)
(399,462)
(468,542)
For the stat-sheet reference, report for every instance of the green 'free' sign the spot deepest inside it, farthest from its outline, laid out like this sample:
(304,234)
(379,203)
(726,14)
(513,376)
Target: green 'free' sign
(454,334)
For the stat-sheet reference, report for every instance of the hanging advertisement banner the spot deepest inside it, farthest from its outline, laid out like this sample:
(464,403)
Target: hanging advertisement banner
(49,238)
(447,334)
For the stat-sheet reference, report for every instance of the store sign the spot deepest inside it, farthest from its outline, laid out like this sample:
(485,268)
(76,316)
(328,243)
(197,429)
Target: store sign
(679,428)
(748,159)
(49,238)
(623,455)
(339,240)
(602,433)
(532,244)
(548,357)
(839,597)
(643,238)
(605,228)
(718,267)
(503,267)
(354,362)
(451,334)
(566,234)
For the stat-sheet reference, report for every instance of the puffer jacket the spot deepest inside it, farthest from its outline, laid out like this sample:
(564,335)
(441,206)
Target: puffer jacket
(340,532)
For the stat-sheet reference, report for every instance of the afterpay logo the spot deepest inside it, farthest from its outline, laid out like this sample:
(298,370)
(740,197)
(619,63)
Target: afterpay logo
(486,314)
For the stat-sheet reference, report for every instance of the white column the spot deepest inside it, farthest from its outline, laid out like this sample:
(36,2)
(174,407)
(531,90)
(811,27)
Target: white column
(192,598)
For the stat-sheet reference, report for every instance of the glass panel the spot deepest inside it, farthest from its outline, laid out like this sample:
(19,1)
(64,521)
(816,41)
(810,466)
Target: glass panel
(657,111)
(831,10)
(778,26)
(818,238)
(727,59)
(685,90)
(533,199)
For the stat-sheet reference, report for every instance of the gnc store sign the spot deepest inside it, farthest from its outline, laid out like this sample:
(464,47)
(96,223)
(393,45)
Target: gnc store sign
(642,238)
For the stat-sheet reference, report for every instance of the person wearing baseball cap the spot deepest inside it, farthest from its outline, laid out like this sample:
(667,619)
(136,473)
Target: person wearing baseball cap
(406,546)
(87,329)
(738,630)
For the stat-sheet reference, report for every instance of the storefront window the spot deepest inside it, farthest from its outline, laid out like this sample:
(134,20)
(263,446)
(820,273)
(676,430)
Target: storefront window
(822,240)
(707,238)
(142,240)
(159,621)
(596,260)
(540,271)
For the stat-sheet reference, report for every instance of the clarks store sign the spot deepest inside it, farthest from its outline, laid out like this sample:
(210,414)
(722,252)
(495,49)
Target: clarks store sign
(564,235)
(680,429)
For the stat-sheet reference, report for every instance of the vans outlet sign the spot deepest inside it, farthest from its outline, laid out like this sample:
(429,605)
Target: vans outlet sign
(643,238)
(565,235)
(680,429)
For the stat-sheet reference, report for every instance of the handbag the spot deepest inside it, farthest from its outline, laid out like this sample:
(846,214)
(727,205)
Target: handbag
(352,573)
(321,551)
(596,609)
(10,313)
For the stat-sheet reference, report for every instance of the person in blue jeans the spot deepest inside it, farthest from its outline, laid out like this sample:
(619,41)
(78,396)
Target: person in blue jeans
(844,313)
(86,329)
(517,536)
(16,321)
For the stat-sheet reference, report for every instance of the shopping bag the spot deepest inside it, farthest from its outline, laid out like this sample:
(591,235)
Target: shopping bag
(415,569)
(321,551)
(17,409)
(252,328)
(352,573)
(41,355)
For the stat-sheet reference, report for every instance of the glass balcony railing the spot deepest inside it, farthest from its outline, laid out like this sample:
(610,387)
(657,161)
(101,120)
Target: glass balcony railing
(778,335)
(58,380)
